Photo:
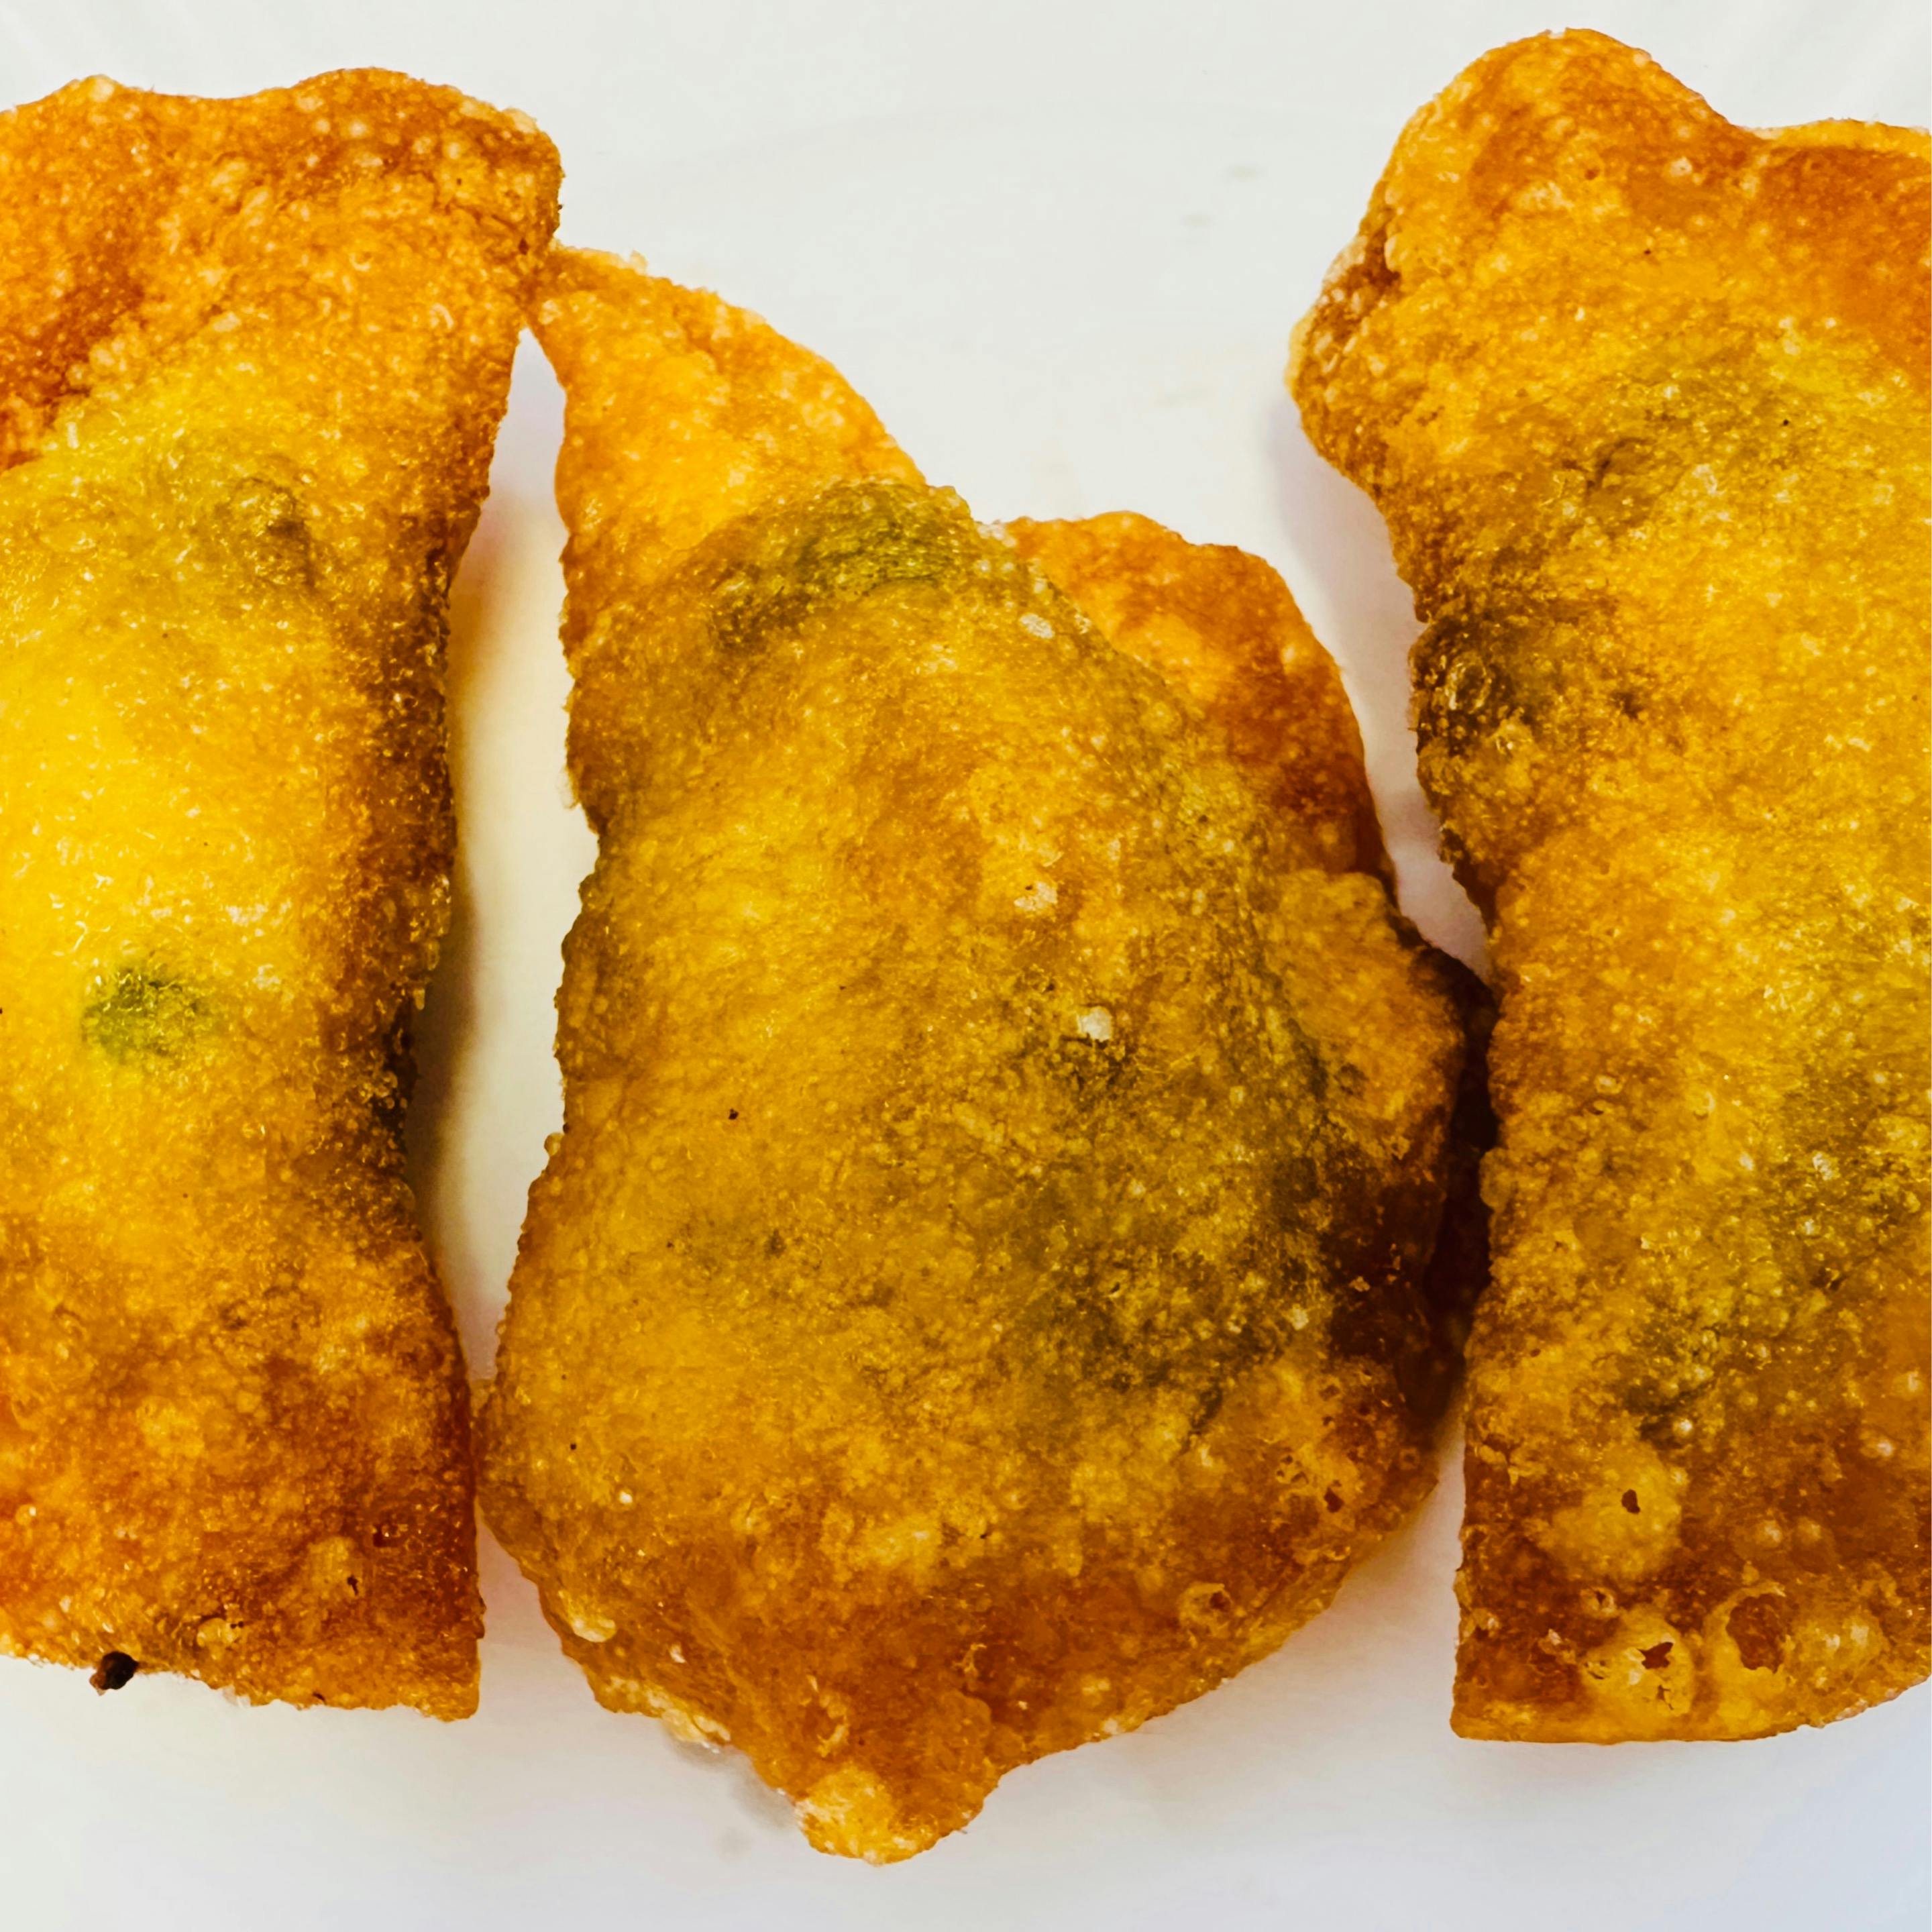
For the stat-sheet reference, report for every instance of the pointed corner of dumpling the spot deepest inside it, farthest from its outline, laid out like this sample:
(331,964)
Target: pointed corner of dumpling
(685,413)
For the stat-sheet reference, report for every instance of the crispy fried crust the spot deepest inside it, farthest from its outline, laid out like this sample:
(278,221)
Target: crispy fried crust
(252,356)
(973,1303)
(1221,626)
(1643,396)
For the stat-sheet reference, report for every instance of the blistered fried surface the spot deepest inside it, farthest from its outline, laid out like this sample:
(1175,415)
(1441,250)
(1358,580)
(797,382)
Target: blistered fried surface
(1643,396)
(253,354)
(972,1304)
(1221,626)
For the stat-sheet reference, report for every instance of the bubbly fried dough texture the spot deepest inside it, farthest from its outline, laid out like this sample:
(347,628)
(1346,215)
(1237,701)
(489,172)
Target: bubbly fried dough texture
(1643,396)
(252,356)
(974,1304)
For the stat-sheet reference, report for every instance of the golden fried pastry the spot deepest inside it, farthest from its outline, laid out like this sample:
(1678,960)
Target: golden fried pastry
(252,355)
(1643,396)
(975,1303)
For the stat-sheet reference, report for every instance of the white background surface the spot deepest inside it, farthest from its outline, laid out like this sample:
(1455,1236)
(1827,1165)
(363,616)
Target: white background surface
(1060,247)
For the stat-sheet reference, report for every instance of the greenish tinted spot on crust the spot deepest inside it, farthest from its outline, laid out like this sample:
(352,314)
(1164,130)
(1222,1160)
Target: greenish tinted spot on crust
(143,1013)
(264,527)
(855,540)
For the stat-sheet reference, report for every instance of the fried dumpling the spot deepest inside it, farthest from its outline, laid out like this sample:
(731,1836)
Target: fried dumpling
(975,1303)
(1643,396)
(252,356)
